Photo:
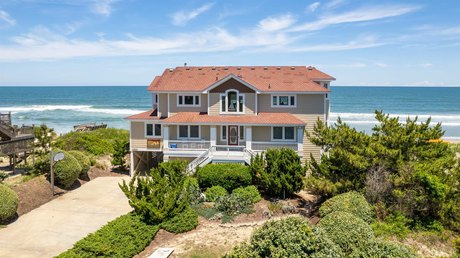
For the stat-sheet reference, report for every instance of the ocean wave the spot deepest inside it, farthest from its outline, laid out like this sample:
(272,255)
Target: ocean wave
(372,122)
(78,108)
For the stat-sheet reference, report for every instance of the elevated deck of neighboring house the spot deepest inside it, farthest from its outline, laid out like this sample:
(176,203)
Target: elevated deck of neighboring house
(15,142)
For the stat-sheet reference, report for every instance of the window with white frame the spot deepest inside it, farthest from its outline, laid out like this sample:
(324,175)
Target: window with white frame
(283,133)
(188,100)
(223,133)
(153,130)
(284,101)
(232,102)
(188,131)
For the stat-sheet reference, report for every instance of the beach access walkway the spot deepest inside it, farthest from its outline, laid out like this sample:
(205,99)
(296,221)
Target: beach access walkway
(55,226)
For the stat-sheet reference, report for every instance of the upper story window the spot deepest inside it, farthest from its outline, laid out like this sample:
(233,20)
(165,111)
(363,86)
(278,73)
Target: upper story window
(284,101)
(188,100)
(232,102)
(153,130)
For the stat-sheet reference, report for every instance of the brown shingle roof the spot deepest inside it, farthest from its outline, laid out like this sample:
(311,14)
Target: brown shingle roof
(264,78)
(147,115)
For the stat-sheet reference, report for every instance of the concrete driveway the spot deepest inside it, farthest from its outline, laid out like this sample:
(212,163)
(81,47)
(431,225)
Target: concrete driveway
(55,226)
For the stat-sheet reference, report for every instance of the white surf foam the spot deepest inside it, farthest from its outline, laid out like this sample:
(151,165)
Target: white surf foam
(78,108)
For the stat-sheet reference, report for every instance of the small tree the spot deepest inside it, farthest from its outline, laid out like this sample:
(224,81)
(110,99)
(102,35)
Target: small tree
(160,196)
(121,148)
(283,174)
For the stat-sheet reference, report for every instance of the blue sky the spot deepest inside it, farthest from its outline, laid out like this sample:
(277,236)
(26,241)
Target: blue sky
(128,42)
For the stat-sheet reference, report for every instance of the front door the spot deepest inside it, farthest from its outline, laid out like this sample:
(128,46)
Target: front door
(232,135)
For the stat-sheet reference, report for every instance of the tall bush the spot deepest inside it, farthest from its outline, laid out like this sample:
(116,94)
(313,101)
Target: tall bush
(283,174)
(9,202)
(83,160)
(229,176)
(161,195)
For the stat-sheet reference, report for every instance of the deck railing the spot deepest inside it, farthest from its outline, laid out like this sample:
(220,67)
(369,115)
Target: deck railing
(263,146)
(189,144)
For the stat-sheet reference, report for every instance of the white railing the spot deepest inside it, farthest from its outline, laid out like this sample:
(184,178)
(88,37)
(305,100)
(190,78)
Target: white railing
(263,146)
(188,145)
(199,160)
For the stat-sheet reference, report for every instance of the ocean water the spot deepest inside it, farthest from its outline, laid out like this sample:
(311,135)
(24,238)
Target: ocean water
(64,107)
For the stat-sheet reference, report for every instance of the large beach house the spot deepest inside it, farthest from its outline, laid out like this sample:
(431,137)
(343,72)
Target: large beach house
(228,113)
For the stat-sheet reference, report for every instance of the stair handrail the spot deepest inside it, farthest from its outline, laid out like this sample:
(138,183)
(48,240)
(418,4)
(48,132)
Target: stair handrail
(199,160)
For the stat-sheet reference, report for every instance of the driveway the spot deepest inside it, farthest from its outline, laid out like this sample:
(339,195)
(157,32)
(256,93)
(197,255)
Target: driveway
(55,226)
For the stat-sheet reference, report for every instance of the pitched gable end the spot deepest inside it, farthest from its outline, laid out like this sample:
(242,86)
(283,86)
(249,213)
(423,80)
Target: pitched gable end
(231,81)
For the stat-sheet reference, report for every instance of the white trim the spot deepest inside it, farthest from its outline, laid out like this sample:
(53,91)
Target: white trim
(283,95)
(213,135)
(153,130)
(256,107)
(169,101)
(283,134)
(248,135)
(209,106)
(222,133)
(276,142)
(183,100)
(158,104)
(238,94)
(228,77)
(188,132)
(165,136)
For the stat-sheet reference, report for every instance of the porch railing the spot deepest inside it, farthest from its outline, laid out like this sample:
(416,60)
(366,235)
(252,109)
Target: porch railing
(263,146)
(188,145)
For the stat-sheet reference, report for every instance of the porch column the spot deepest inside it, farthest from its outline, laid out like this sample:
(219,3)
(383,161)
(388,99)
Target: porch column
(248,137)
(165,137)
(131,163)
(213,135)
(300,140)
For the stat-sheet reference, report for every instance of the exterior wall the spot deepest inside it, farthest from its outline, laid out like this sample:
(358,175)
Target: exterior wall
(138,140)
(173,108)
(261,134)
(163,105)
(232,84)
(309,108)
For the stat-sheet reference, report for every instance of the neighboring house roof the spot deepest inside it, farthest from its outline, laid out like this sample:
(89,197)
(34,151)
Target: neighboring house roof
(147,115)
(263,78)
(203,118)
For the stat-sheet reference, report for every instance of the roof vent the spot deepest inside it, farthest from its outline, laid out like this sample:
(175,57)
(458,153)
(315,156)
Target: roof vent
(187,68)
(213,68)
(253,68)
(199,68)
(292,67)
(310,67)
(217,78)
(226,68)
(269,86)
(265,68)
(278,68)
(238,68)
(170,69)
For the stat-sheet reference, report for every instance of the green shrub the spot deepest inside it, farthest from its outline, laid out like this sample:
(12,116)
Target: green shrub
(125,236)
(346,230)
(97,142)
(351,202)
(214,192)
(9,201)
(394,225)
(205,210)
(84,162)
(121,149)
(233,204)
(194,191)
(3,176)
(160,196)
(229,176)
(283,174)
(183,222)
(383,249)
(249,193)
(66,171)
(291,237)
(457,245)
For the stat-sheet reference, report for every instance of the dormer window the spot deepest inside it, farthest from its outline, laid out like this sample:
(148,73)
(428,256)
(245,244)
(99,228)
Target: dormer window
(188,100)
(232,102)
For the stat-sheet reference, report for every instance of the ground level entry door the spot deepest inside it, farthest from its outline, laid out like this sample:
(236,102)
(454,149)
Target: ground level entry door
(232,135)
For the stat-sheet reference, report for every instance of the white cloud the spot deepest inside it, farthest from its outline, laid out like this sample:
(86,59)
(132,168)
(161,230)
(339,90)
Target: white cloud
(181,18)
(358,15)
(334,4)
(4,16)
(379,64)
(276,23)
(426,65)
(368,42)
(102,7)
(313,6)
